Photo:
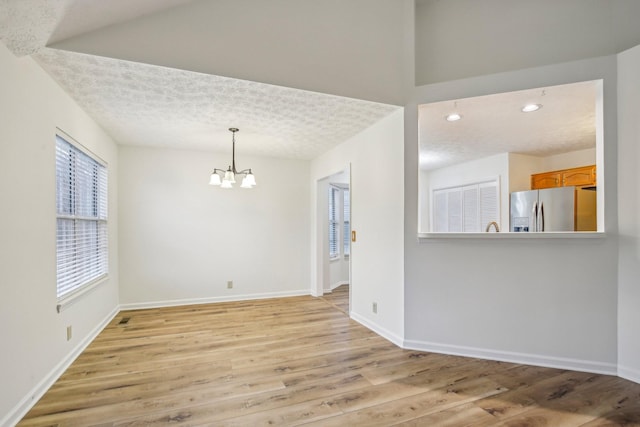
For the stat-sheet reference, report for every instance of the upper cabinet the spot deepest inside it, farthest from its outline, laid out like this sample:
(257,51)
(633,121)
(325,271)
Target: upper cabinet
(546,180)
(582,176)
(585,175)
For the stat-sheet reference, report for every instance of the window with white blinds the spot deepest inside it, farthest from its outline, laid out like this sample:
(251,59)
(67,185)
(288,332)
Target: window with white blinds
(346,223)
(81,206)
(334,222)
(468,208)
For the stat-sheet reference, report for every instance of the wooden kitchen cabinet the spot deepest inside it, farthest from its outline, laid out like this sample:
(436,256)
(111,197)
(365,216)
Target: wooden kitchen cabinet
(579,176)
(546,180)
(582,176)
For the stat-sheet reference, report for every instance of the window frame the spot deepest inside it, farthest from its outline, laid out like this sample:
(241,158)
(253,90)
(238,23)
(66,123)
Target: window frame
(346,222)
(82,251)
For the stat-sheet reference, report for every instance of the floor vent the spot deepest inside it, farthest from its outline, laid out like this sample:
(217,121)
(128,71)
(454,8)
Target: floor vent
(124,321)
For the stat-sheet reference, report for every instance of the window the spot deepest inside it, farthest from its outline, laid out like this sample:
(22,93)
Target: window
(339,221)
(466,208)
(81,229)
(346,227)
(334,222)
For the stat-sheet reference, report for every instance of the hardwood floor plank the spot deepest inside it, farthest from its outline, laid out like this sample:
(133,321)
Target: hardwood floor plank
(458,416)
(301,360)
(206,413)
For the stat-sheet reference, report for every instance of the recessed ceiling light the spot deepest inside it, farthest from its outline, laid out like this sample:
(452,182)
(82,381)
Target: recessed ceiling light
(529,108)
(453,117)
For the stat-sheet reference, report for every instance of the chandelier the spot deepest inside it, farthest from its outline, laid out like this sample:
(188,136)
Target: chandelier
(226,178)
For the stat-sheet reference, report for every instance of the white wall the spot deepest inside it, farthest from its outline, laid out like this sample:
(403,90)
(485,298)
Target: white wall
(539,301)
(33,334)
(496,166)
(181,239)
(377,205)
(520,169)
(629,214)
(463,38)
(569,160)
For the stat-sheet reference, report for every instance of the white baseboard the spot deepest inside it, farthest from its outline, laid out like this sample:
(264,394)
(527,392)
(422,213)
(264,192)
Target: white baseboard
(27,402)
(384,333)
(629,374)
(513,357)
(338,284)
(209,300)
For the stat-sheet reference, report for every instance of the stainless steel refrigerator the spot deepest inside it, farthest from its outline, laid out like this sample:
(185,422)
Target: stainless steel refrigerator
(551,209)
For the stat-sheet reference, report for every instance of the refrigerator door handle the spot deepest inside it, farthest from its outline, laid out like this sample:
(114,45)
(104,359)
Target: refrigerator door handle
(534,215)
(541,216)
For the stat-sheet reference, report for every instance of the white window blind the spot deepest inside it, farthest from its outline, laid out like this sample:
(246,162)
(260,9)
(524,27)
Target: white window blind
(467,208)
(81,205)
(333,222)
(346,225)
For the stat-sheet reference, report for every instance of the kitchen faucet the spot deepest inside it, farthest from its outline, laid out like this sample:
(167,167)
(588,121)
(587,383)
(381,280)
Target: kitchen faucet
(495,224)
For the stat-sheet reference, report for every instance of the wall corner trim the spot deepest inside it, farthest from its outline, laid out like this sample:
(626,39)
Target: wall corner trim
(384,333)
(629,374)
(27,402)
(596,367)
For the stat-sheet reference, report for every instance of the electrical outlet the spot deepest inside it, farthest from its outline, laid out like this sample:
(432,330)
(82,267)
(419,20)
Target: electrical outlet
(230,284)
(69,333)
(375,307)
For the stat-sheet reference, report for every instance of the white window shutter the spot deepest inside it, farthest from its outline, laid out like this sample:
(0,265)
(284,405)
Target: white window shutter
(467,208)
(470,203)
(454,205)
(489,203)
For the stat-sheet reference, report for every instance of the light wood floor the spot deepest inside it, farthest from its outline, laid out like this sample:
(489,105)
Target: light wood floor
(339,298)
(300,360)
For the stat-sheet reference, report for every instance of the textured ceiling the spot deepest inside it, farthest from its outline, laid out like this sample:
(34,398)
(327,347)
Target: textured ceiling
(495,124)
(26,25)
(147,105)
(143,104)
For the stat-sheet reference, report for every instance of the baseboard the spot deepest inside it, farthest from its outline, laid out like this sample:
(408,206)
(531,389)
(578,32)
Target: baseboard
(384,333)
(629,374)
(27,402)
(513,357)
(338,284)
(209,300)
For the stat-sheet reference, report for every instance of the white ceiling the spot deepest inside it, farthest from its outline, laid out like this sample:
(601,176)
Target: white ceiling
(149,105)
(495,124)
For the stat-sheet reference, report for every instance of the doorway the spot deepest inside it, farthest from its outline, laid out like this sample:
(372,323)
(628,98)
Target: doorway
(334,208)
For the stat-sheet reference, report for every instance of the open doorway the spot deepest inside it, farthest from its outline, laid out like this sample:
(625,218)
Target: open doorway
(334,200)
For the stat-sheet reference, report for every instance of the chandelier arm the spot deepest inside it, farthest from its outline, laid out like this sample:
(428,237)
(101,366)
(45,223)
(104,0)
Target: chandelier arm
(244,171)
(233,151)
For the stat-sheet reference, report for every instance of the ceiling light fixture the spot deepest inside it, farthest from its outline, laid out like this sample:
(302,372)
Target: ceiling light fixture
(529,108)
(453,117)
(229,175)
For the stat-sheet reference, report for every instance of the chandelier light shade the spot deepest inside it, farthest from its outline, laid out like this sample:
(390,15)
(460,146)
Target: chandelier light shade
(226,178)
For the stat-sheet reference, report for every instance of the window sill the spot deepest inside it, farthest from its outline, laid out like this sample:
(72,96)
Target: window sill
(70,299)
(426,237)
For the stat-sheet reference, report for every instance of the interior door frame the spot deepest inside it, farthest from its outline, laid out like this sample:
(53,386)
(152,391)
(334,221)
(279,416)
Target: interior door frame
(322,235)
